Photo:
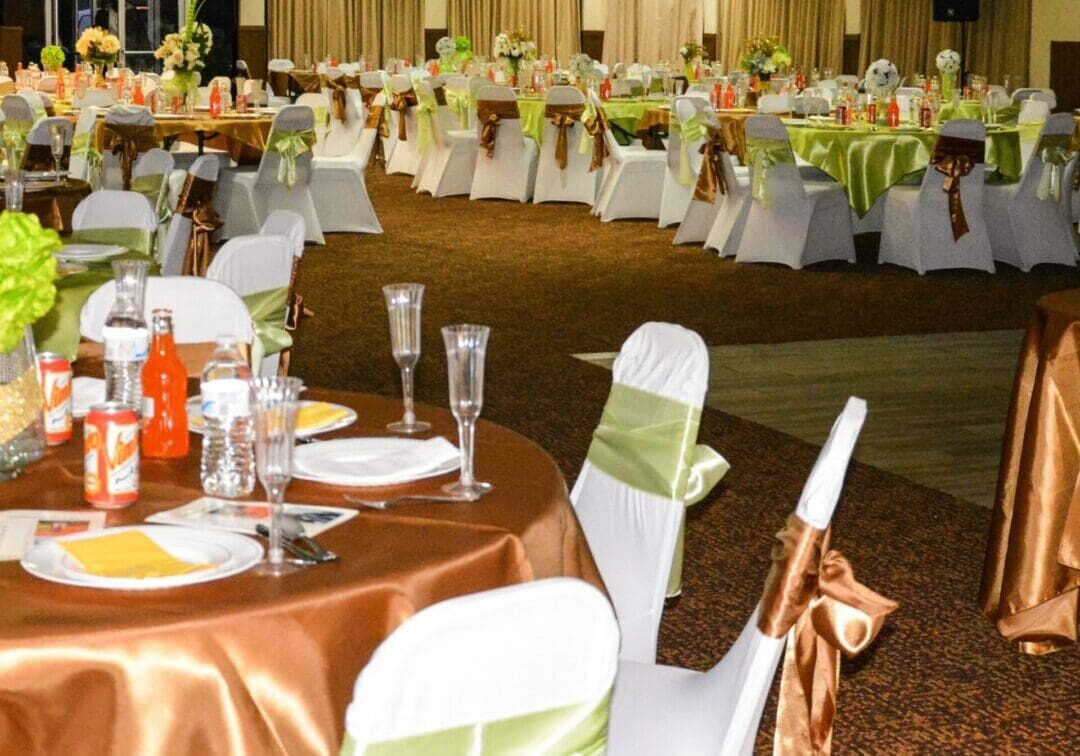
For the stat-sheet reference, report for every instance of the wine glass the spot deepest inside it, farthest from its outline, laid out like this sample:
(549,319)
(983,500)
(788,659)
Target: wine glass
(466,346)
(274,402)
(403,303)
(56,143)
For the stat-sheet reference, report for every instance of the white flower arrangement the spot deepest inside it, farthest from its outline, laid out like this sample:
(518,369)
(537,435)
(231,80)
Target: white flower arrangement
(514,47)
(582,66)
(882,78)
(948,62)
(446,48)
(98,46)
(185,51)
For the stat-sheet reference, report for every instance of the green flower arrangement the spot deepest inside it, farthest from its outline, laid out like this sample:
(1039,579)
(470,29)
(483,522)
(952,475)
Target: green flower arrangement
(463,45)
(53,57)
(27,273)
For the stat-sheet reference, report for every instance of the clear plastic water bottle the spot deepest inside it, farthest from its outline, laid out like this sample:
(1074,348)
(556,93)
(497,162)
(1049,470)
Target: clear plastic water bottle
(127,340)
(228,454)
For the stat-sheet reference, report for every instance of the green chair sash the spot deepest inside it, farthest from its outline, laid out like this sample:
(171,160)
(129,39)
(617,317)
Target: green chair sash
(1055,151)
(579,729)
(82,146)
(649,442)
(152,186)
(290,145)
(458,102)
(15,138)
(268,314)
(135,239)
(763,154)
(425,129)
(696,127)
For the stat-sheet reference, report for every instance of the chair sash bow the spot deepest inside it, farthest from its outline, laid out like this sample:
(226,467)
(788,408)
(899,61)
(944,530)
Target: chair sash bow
(425,126)
(268,313)
(690,130)
(196,202)
(290,145)
(563,117)
(376,119)
(764,154)
(711,178)
(401,102)
(368,95)
(1054,151)
(594,138)
(15,135)
(338,97)
(458,101)
(296,312)
(489,113)
(956,157)
(152,186)
(812,597)
(82,146)
(126,141)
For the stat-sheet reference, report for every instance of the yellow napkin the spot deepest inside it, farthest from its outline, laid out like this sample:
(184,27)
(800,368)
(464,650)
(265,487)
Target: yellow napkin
(130,554)
(318,414)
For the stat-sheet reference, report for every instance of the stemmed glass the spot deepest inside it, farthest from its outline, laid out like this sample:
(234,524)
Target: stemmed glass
(56,143)
(13,180)
(274,403)
(403,303)
(466,346)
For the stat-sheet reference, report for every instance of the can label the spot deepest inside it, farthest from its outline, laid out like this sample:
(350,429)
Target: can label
(55,373)
(111,448)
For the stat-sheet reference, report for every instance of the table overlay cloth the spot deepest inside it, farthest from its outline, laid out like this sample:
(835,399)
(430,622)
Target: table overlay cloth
(245,136)
(255,664)
(623,114)
(657,121)
(53,203)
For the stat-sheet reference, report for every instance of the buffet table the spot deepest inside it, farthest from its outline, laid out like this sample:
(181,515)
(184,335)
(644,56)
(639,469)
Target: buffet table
(253,664)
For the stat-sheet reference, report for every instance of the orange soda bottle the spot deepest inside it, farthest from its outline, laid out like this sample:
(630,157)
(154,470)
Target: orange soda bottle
(164,387)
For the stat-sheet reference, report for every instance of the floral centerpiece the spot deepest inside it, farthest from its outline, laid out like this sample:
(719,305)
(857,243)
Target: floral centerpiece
(98,46)
(582,68)
(447,52)
(948,63)
(464,51)
(763,56)
(52,58)
(513,48)
(882,78)
(184,52)
(691,52)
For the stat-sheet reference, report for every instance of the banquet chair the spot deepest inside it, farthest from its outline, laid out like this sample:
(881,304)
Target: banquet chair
(510,171)
(524,669)
(658,710)
(405,157)
(918,232)
(320,108)
(344,132)
(1026,93)
(633,181)
(85,161)
(338,182)
(458,102)
(39,142)
(1026,222)
(202,310)
(280,64)
(807,105)
(476,83)
(447,165)
(178,237)
(575,182)
(790,221)
(17,108)
(46,83)
(627,87)
(150,178)
(634,526)
(378,80)
(250,266)
(112,165)
(245,197)
(688,113)
(107,210)
(96,98)
(7,85)
(774,103)
(830,84)
(255,92)
(823,93)
(288,224)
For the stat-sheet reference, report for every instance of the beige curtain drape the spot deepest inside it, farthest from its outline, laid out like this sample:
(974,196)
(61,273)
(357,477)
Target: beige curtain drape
(346,29)
(403,30)
(555,25)
(649,31)
(812,30)
(905,33)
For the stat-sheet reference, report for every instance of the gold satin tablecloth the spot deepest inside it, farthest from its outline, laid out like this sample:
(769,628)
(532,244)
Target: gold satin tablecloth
(732,125)
(261,665)
(1031,578)
(244,135)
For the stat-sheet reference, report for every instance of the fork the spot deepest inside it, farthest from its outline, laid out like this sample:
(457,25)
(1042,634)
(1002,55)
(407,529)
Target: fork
(388,503)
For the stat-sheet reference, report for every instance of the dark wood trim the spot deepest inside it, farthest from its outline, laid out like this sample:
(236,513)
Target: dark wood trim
(1064,65)
(708,41)
(851,54)
(251,46)
(11,46)
(592,43)
(431,37)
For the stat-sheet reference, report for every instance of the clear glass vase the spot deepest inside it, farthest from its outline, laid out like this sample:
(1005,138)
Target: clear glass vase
(22,428)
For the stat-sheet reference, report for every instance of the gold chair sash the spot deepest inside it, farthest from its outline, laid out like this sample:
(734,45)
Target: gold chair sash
(596,126)
(710,178)
(196,202)
(401,102)
(126,141)
(812,597)
(376,119)
(489,113)
(955,158)
(368,95)
(563,117)
(295,312)
(338,97)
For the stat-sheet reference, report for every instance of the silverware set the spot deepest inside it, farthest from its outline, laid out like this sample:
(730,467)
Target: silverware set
(304,550)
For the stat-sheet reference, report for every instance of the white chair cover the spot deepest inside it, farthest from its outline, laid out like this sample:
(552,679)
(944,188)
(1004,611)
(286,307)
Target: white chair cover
(666,710)
(17,107)
(798,223)
(343,135)
(46,83)
(918,232)
(774,103)
(574,183)
(80,162)
(132,115)
(633,181)
(486,657)
(476,83)
(288,224)
(110,208)
(176,239)
(339,186)
(41,132)
(446,167)
(510,173)
(97,98)
(406,157)
(320,107)
(676,192)
(280,64)
(1033,110)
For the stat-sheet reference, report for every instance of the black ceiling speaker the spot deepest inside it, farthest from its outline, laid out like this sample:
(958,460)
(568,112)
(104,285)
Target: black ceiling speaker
(956,10)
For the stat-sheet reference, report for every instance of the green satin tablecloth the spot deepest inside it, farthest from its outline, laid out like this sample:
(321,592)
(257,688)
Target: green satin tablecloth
(868,162)
(623,113)
(973,109)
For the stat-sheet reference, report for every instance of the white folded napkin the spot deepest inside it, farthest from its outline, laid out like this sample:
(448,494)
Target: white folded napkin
(86,392)
(391,467)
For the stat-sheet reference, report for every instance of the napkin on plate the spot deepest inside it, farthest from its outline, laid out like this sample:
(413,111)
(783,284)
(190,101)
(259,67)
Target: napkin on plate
(130,554)
(319,414)
(84,393)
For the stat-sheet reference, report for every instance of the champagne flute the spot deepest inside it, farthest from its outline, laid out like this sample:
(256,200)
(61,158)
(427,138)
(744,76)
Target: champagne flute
(403,302)
(274,402)
(56,143)
(466,346)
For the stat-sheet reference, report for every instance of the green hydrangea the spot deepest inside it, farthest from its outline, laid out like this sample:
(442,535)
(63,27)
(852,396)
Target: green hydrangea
(27,273)
(52,57)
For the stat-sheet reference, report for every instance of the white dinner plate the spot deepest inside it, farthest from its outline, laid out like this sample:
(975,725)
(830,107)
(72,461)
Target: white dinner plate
(229,553)
(89,252)
(85,393)
(195,420)
(341,462)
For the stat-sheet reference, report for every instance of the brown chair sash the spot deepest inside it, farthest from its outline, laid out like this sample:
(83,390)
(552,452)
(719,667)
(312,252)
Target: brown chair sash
(296,311)
(401,102)
(196,202)
(956,157)
(597,128)
(440,95)
(304,82)
(279,82)
(563,117)
(652,136)
(127,140)
(39,157)
(376,119)
(710,178)
(338,97)
(812,597)
(368,95)
(488,114)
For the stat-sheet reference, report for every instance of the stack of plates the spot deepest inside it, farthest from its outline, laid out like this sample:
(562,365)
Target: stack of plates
(89,252)
(337,416)
(363,462)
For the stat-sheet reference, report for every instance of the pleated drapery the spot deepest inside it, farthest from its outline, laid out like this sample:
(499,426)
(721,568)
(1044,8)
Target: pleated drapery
(812,30)
(651,30)
(555,25)
(906,33)
(378,29)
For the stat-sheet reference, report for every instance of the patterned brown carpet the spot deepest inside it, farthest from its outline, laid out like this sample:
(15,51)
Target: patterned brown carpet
(553,281)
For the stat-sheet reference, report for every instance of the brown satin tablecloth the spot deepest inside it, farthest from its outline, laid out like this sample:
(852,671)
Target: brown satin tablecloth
(296,82)
(657,122)
(53,203)
(1031,579)
(258,665)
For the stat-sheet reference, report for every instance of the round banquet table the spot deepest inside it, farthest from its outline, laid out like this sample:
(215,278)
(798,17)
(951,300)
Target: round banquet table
(53,203)
(254,664)
(622,112)
(244,136)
